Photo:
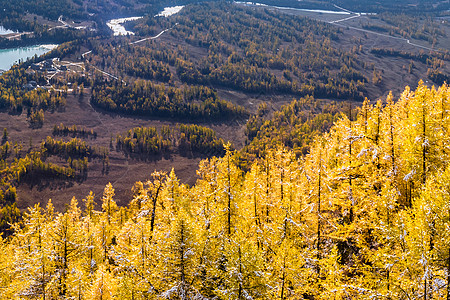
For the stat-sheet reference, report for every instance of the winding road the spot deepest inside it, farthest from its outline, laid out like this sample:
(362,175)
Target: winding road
(383,35)
(83,55)
(355,15)
(153,37)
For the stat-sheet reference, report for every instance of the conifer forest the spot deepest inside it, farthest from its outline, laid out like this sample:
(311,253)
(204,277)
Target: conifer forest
(364,215)
(225,150)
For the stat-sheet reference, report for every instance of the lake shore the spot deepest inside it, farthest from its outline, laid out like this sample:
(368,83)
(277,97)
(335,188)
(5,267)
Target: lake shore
(9,57)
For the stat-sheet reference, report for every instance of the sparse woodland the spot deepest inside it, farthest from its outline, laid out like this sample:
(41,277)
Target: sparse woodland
(364,215)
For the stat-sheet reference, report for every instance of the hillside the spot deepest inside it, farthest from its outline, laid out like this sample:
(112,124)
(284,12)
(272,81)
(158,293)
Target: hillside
(256,76)
(364,215)
(399,6)
(227,151)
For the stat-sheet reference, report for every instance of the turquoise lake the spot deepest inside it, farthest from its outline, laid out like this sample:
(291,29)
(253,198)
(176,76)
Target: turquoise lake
(8,57)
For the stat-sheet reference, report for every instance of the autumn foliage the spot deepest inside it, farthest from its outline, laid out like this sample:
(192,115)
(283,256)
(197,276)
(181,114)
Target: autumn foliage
(364,215)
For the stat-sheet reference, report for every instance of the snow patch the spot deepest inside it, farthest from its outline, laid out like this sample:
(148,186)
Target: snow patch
(409,175)
(169,11)
(49,46)
(250,3)
(362,153)
(375,154)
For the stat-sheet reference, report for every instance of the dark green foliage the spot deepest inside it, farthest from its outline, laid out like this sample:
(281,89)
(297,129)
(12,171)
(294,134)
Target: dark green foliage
(143,141)
(75,148)
(147,99)
(230,46)
(5,135)
(398,6)
(74,131)
(9,214)
(422,57)
(199,139)
(5,150)
(252,50)
(438,77)
(33,170)
(36,119)
(294,126)
(146,142)
(51,9)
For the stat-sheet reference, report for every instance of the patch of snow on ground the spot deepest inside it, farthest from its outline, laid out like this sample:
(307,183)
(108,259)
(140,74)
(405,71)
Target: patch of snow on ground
(49,46)
(168,11)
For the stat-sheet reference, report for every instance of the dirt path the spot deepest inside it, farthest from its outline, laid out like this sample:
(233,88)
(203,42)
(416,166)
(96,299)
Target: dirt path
(386,36)
(153,37)
(357,15)
(83,55)
(345,19)
(124,173)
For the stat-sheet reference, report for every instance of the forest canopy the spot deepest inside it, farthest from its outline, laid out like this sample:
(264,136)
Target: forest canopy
(363,215)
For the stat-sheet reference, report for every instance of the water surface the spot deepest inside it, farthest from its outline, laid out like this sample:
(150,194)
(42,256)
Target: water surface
(8,57)
(116,25)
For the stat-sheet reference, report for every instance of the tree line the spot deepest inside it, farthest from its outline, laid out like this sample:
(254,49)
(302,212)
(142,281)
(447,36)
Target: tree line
(158,100)
(294,126)
(147,142)
(34,168)
(75,148)
(74,131)
(435,62)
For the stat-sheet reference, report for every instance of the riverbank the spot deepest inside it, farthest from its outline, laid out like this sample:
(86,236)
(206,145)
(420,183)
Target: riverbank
(116,25)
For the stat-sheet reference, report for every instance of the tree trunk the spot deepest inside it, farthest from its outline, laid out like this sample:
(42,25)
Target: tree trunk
(240,273)
(424,147)
(425,285)
(283,279)
(182,263)
(319,212)
(228,196)
(448,275)
(155,198)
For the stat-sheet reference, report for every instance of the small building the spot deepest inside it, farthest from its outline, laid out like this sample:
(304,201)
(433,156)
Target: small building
(29,87)
(48,64)
(35,66)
